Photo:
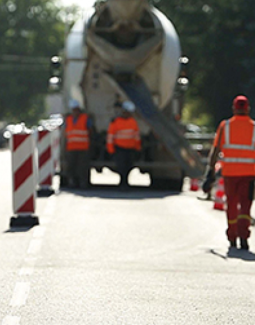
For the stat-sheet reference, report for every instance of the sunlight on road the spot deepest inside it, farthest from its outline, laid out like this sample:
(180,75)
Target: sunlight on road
(111,178)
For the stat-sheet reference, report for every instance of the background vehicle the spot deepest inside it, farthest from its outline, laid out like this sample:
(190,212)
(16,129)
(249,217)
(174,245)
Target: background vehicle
(128,50)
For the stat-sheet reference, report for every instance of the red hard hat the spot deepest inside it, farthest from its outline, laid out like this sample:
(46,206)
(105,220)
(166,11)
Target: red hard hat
(241,103)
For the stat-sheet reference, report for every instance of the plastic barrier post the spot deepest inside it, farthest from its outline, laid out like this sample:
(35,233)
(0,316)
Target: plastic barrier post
(23,179)
(45,163)
(55,139)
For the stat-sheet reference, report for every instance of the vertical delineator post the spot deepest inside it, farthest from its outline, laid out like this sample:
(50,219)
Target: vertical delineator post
(45,162)
(23,179)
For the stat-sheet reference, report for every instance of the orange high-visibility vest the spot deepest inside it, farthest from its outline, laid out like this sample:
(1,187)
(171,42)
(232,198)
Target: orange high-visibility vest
(237,144)
(123,133)
(77,134)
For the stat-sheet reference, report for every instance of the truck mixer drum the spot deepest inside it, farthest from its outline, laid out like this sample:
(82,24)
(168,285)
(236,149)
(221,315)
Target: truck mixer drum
(129,49)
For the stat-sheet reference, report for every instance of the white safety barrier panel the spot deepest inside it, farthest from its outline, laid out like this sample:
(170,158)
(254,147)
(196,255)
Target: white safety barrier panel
(45,162)
(23,176)
(55,143)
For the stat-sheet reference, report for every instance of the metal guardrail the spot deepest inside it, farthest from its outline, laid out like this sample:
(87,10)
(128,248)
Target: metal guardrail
(201,142)
(199,136)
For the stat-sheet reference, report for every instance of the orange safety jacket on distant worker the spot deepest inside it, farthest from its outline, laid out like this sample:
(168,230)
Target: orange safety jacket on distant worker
(123,133)
(236,140)
(77,134)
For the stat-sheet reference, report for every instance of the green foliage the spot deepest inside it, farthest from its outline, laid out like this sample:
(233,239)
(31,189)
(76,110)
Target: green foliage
(30,33)
(218,37)
(194,112)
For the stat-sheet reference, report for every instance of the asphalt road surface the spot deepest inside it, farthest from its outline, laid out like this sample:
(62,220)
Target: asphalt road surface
(105,257)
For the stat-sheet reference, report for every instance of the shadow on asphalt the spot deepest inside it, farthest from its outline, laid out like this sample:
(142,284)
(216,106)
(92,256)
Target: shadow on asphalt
(18,229)
(235,253)
(115,192)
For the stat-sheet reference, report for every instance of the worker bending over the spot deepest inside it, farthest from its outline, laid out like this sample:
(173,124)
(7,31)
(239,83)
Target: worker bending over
(235,140)
(123,140)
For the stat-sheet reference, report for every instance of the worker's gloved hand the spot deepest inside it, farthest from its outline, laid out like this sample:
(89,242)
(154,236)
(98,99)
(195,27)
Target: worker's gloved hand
(209,180)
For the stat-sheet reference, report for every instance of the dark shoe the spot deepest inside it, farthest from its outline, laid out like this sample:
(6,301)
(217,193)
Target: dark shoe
(232,243)
(244,244)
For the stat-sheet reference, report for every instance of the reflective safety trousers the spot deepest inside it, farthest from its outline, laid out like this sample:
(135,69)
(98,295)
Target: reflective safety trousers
(239,192)
(237,144)
(123,133)
(77,134)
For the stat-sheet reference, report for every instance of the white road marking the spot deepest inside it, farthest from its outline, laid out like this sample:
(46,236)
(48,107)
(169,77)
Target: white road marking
(49,211)
(21,290)
(11,320)
(26,270)
(50,207)
(28,267)
(39,232)
(20,294)
(45,220)
(34,246)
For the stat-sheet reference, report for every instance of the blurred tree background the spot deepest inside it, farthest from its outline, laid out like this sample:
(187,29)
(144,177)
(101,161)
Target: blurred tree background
(31,32)
(217,36)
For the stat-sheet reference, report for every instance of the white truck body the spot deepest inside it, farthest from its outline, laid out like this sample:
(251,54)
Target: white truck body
(127,41)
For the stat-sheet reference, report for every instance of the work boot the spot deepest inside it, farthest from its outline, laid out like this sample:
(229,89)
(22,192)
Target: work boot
(244,244)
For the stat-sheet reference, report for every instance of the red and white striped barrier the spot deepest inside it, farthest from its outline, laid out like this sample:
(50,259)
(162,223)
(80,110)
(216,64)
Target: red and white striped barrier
(45,161)
(24,179)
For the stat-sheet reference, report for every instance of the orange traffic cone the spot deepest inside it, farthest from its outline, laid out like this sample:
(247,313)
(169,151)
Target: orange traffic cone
(219,199)
(194,184)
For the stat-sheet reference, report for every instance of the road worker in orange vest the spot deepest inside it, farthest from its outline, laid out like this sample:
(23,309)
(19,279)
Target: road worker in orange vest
(235,142)
(123,141)
(77,134)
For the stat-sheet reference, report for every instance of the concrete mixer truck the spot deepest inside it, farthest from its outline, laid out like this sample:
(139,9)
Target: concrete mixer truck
(128,50)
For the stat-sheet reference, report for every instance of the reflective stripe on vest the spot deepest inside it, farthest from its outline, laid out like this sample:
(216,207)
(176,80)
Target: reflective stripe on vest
(239,160)
(229,145)
(110,138)
(79,132)
(75,139)
(125,134)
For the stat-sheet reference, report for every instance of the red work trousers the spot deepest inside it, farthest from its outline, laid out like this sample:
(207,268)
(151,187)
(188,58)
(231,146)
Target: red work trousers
(238,190)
